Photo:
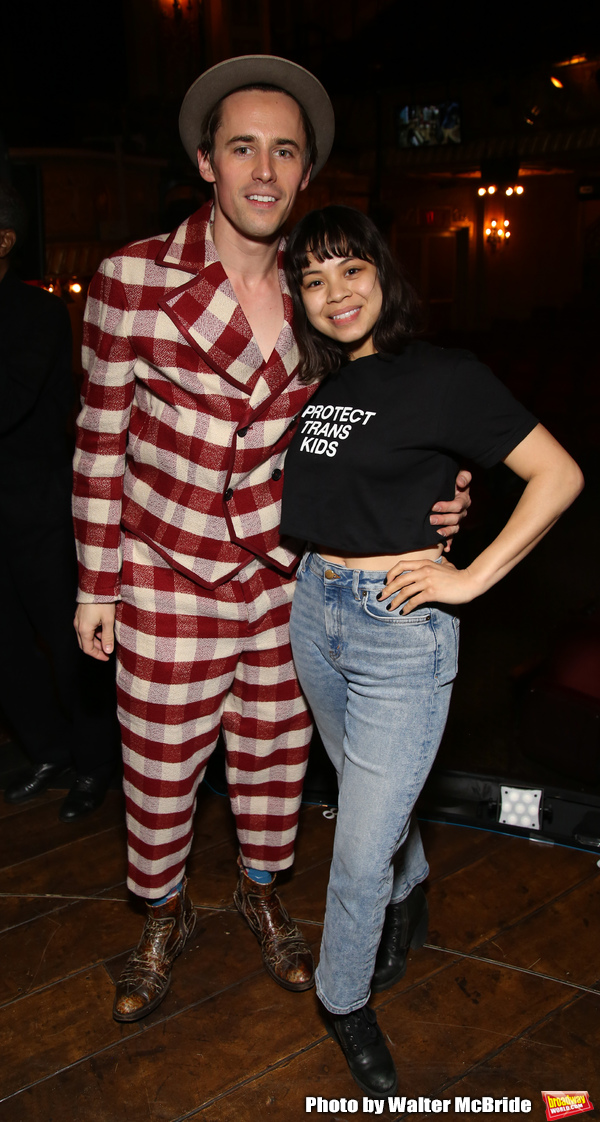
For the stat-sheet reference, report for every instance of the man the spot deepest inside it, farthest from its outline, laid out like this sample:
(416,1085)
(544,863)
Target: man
(190,401)
(62,715)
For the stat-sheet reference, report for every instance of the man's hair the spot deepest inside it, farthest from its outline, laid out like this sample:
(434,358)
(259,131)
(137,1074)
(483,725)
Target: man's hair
(13,215)
(213,120)
(342,231)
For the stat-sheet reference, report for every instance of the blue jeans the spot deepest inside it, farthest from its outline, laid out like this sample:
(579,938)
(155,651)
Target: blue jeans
(379,686)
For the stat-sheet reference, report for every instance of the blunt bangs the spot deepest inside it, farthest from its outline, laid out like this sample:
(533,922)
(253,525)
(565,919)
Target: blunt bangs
(335,231)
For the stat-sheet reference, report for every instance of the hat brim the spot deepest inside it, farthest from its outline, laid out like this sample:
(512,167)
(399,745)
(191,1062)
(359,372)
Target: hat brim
(228,76)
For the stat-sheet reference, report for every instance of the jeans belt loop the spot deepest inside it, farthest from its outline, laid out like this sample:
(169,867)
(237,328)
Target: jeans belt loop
(356,583)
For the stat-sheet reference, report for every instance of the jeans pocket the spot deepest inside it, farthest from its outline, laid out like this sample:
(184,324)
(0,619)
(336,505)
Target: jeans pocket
(447,632)
(378,609)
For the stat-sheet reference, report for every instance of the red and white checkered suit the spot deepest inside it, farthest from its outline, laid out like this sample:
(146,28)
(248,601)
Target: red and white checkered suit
(180,451)
(191,661)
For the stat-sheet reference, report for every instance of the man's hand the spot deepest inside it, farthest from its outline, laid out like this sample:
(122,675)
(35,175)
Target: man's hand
(95,628)
(446,516)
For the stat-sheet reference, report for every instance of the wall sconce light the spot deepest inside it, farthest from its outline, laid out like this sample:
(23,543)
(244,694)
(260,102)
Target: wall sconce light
(497,233)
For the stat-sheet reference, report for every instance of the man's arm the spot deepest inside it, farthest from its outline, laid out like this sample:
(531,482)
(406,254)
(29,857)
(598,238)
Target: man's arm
(446,516)
(102,427)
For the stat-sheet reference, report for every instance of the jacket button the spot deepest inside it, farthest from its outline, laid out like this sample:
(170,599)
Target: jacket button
(228,494)
(277,474)
(242,432)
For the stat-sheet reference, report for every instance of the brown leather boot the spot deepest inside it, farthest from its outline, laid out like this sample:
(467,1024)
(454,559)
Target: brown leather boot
(286,954)
(147,974)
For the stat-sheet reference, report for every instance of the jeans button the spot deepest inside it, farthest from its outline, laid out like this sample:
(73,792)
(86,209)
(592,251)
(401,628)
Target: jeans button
(329,573)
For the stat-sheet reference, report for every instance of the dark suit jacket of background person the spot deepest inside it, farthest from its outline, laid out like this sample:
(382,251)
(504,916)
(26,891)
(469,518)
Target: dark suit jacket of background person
(58,709)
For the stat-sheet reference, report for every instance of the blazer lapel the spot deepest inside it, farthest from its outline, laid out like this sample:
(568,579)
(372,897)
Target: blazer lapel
(204,309)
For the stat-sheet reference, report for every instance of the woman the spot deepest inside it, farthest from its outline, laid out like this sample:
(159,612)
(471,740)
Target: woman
(374,640)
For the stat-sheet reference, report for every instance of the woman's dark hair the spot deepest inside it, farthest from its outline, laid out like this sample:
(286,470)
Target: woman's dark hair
(342,231)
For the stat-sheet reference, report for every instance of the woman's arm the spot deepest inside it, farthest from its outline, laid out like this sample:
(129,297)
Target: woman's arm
(553,482)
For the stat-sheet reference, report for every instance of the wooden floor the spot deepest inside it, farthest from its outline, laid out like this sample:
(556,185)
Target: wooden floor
(503,1000)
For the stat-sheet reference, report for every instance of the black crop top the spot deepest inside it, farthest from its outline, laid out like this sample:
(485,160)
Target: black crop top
(380,443)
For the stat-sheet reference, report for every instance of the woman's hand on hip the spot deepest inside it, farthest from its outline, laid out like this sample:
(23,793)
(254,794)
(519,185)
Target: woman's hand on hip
(413,583)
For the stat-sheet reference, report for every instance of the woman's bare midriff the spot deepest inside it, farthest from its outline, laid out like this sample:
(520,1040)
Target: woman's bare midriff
(383,562)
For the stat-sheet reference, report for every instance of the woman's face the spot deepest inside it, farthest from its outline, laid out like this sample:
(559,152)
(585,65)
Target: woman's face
(342,298)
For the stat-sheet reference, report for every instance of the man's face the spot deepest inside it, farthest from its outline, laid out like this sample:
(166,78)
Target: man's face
(258,163)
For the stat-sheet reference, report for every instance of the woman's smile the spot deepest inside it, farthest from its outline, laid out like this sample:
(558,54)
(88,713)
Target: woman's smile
(342,297)
(351,314)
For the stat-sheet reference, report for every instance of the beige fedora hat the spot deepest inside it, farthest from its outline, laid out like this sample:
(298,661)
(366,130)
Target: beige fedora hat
(245,70)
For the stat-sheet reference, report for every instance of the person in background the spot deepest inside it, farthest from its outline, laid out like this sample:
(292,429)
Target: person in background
(62,714)
(374,637)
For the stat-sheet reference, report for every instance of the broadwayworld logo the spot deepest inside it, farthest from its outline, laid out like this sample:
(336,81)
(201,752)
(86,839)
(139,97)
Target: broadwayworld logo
(561,1104)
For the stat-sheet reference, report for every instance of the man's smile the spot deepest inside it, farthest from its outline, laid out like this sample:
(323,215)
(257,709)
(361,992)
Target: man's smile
(261,198)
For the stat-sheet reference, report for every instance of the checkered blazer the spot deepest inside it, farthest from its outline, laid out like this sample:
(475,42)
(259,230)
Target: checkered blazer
(184,427)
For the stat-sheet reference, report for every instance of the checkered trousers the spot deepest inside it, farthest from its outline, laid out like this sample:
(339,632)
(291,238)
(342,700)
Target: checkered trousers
(189,662)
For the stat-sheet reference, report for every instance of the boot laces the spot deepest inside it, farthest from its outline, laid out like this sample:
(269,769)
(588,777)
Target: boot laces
(361,1031)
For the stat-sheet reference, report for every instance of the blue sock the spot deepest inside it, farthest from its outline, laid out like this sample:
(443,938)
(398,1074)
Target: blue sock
(172,892)
(261,876)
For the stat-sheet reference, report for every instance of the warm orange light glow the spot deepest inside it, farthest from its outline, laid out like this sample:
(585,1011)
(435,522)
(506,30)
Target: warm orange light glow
(172,7)
(509,190)
(556,82)
(50,288)
(572,61)
(75,287)
(481,191)
(491,190)
(506,222)
(497,233)
(519,190)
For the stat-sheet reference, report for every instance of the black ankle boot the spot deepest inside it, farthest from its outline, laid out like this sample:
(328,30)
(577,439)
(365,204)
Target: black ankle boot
(405,926)
(366,1052)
